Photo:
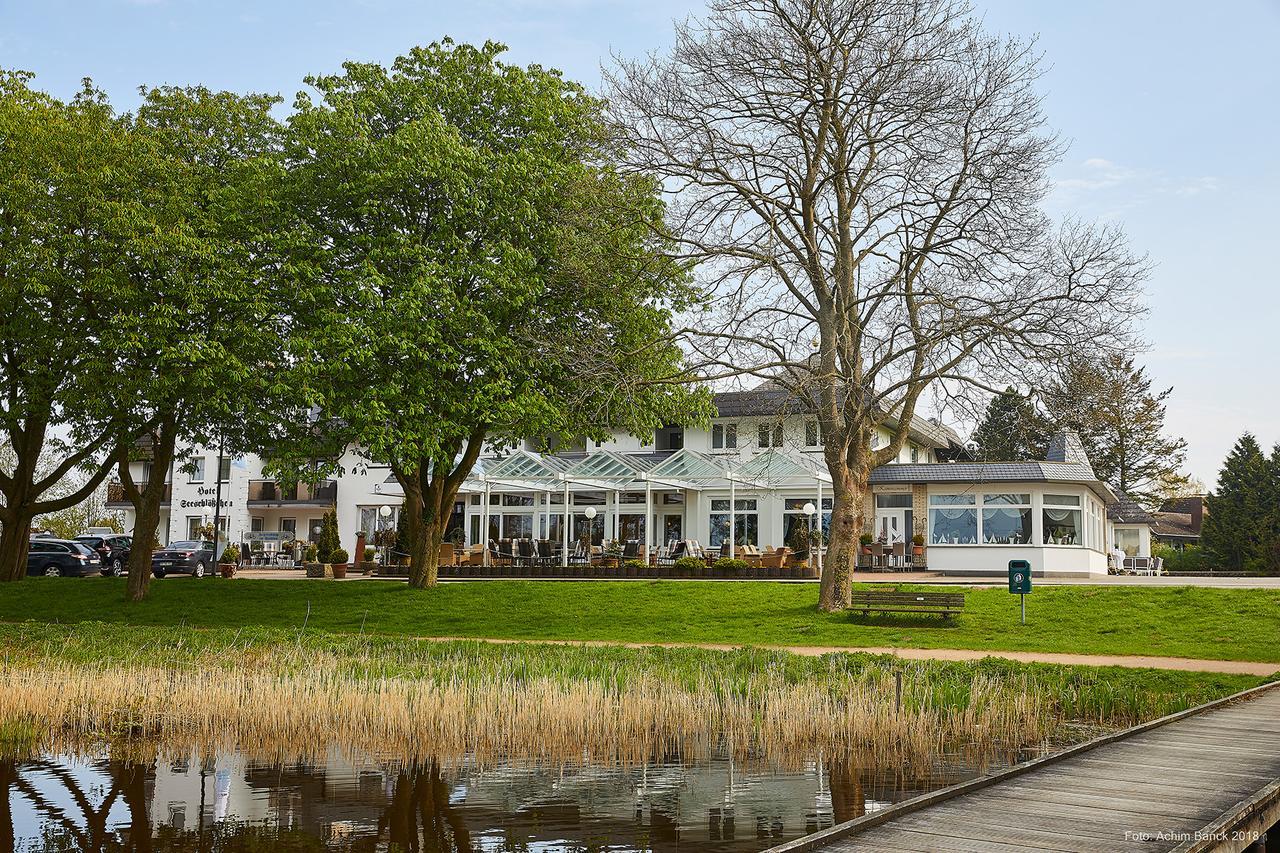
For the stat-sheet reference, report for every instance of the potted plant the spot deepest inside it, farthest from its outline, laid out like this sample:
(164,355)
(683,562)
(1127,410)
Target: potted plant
(866,539)
(369,564)
(917,545)
(228,561)
(338,560)
(311,562)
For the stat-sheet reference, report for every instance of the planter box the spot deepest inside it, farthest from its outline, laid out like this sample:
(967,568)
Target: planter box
(369,568)
(314,570)
(227,570)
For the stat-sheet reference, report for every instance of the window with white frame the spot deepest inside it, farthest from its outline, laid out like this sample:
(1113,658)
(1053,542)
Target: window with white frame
(953,519)
(746,522)
(724,436)
(1063,520)
(813,435)
(769,435)
(197,469)
(1006,518)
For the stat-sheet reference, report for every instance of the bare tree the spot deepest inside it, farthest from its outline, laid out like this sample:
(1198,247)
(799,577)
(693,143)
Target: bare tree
(860,182)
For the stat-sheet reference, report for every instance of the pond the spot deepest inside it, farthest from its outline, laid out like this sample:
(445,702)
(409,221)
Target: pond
(234,801)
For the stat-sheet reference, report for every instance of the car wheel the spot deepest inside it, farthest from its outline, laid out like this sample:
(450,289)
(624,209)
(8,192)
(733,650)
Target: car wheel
(117,567)
(53,571)
(158,572)
(199,570)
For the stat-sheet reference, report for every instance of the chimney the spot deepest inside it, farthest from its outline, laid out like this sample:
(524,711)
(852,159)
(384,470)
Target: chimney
(1197,513)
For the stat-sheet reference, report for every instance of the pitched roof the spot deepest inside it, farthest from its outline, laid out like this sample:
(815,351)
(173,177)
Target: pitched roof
(1186,504)
(1065,446)
(1126,510)
(770,400)
(990,472)
(1174,524)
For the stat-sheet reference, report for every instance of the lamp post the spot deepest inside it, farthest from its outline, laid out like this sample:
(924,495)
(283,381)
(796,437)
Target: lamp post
(590,513)
(384,512)
(815,536)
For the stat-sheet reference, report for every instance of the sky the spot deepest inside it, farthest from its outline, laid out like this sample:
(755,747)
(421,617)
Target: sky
(1171,110)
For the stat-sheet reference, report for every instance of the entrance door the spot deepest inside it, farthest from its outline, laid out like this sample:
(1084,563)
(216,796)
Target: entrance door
(889,525)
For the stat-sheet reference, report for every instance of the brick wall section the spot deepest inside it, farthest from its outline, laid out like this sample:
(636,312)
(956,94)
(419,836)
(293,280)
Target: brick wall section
(920,510)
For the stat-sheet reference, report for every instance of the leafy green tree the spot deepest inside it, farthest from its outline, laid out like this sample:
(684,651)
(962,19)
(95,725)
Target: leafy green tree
(475,270)
(1236,518)
(1120,421)
(71,223)
(1011,430)
(197,320)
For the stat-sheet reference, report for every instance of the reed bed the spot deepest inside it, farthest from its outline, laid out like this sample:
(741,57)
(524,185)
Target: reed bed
(300,694)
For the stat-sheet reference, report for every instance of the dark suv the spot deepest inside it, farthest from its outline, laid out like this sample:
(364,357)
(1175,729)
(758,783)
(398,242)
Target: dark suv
(113,550)
(189,556)
(56,557)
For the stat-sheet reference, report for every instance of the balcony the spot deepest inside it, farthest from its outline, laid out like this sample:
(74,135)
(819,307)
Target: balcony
(271,493)
(116,498)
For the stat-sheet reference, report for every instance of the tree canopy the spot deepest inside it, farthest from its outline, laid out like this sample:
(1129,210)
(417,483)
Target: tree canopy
(1012,429)
(1241,530)
(479,271)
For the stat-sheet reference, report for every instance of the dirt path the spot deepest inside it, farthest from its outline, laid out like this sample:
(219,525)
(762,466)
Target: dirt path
(1230,667)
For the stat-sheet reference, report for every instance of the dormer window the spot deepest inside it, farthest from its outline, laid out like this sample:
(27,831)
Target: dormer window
(813,436)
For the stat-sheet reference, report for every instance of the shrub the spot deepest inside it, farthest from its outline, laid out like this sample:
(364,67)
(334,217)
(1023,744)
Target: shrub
(338,555)
(313,553)
(1190,559)
(369,555)
(230,554)
(327,541)
(866,539)
(688,564)
(635,565)
(729,564)
(918,540)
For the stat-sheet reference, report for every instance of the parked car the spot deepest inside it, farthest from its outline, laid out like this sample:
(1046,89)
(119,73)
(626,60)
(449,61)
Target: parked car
(56,557)
(112,548)
(189,556)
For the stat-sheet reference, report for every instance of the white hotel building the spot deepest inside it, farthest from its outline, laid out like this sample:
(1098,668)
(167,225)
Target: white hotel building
(761,455)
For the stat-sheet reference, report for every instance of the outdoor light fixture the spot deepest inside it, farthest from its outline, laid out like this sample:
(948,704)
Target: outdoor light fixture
(809,508)
(384,511)
(589,512)
(316,530)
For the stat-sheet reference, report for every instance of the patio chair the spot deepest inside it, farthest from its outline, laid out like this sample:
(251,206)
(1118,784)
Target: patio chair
(445,557)
(525,555)
(546,553)
(506,556)
(900,555)
(1157,566)
(579,556)
(475,555)
(878,560)
(775,559)
(631,550)
(662,557)
(726,549)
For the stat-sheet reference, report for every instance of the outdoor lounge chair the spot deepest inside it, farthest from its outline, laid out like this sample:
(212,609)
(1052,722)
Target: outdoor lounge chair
(546,553)
(524,555)
(631,550)
(900,555)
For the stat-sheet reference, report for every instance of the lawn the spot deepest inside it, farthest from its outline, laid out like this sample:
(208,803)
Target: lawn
(1196,622)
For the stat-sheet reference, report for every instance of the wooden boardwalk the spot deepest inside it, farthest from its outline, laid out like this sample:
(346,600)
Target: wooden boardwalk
(1213,770)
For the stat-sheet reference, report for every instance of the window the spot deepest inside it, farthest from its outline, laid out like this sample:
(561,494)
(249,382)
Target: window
(1006,519)
(197,469)
(900,500)
(1063,521)
(517,526)
(1129,540)
(796,525)
(724,436)
(255,523)
(194,523)
(915,453)
(517,500)
(953,519)
(290,526)
(746,522)
(770,436)
(813,436)
(224,469)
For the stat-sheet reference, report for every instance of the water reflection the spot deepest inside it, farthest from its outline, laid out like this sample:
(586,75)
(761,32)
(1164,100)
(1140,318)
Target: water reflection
(231,802)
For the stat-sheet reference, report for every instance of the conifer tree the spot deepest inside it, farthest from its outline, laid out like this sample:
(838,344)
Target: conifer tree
(1232,535)
(1011,430)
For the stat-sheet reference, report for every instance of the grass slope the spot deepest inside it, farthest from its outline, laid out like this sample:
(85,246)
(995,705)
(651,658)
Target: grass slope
(1196,622)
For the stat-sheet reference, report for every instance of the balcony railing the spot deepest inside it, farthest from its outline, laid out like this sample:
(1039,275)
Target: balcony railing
(116,495)
(269,491)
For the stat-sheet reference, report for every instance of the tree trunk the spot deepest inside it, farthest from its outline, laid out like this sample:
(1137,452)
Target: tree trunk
(426,553)
(146,502)
(15,536)
(146,521)
(849,486)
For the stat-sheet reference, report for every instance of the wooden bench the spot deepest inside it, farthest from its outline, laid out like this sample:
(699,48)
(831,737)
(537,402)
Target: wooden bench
(942,603)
